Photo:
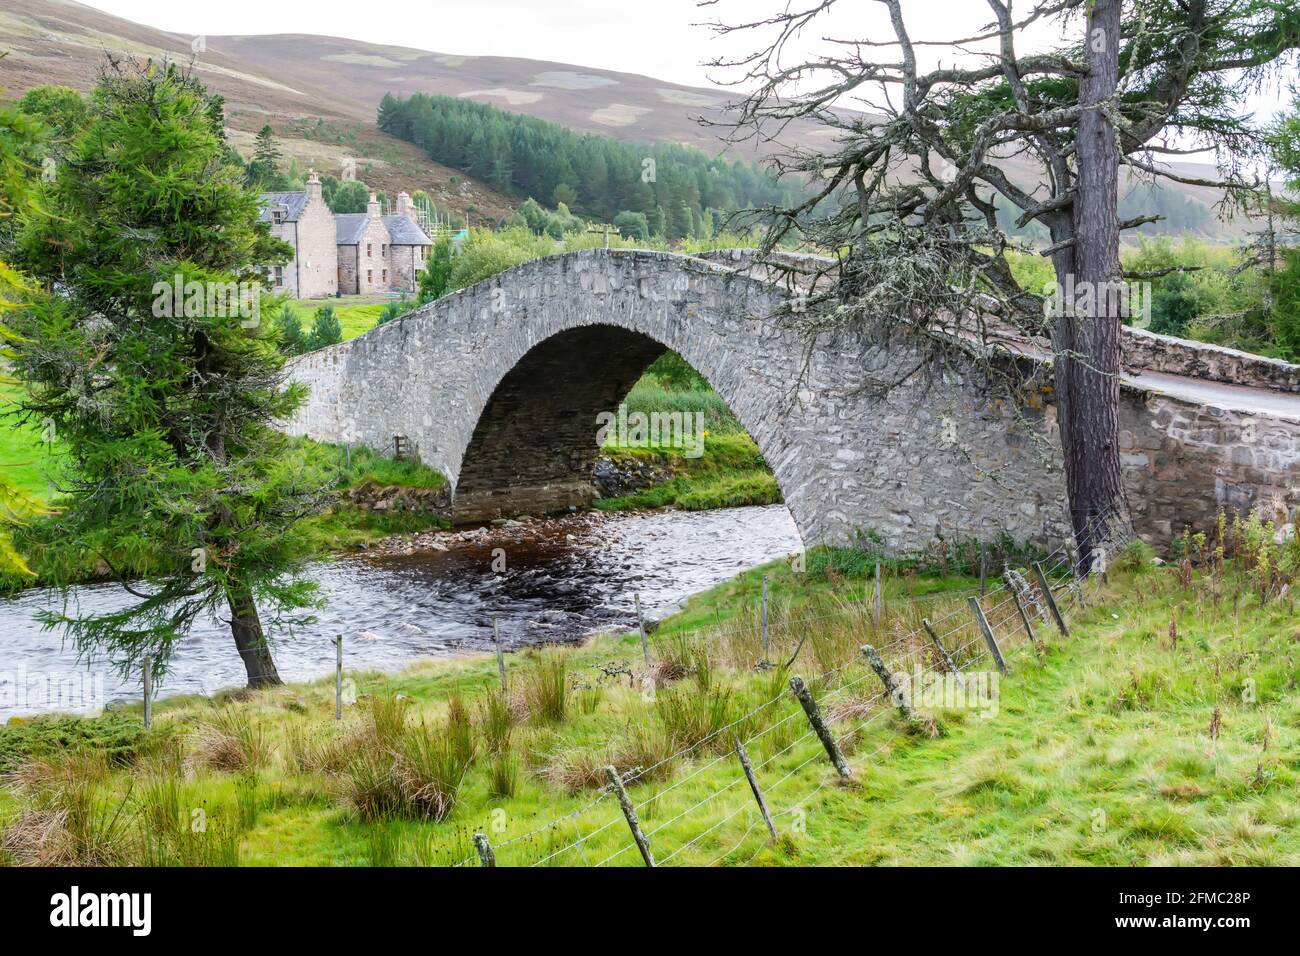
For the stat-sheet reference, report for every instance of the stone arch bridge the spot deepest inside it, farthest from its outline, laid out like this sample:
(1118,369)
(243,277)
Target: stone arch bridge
(499,387)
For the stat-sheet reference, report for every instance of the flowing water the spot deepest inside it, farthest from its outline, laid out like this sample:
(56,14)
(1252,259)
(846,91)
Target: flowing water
(563,579)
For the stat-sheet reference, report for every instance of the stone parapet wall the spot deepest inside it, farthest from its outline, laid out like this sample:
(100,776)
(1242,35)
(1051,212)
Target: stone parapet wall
(1147,351)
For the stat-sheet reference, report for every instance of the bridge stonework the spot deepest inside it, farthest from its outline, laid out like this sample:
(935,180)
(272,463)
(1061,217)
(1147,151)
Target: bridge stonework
(499,387)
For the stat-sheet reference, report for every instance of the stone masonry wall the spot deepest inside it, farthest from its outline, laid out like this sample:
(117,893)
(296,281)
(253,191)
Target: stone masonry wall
(1143,351)
(1183,462)
(288,231)
(372,262)
(405,264)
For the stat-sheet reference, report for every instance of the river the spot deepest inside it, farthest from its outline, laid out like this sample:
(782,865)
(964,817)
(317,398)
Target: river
(563,579)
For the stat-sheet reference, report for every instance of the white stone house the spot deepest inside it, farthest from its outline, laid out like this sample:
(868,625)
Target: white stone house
(304,221)
(347,254)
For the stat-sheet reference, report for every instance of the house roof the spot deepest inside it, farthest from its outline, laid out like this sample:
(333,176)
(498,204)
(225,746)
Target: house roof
(348,227)
(404,232)
(293,204)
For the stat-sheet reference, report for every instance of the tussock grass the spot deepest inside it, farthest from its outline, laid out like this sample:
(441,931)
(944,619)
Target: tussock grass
(546,687)
(230,741)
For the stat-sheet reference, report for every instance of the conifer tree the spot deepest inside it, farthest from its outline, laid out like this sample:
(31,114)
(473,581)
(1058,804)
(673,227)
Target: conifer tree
(157,362)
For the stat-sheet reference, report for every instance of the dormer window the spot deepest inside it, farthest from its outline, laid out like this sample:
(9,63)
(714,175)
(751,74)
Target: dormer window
(277,215)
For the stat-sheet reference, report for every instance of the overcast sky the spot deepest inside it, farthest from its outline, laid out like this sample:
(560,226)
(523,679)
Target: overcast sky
(658,38)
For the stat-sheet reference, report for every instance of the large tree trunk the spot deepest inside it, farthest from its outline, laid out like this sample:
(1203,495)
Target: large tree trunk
(249,638)
(1087,339)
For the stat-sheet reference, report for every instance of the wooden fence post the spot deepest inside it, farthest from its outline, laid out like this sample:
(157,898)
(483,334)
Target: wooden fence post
(763,617)
(486,857)
(148,691)
(1043,586)
(501,661)
(891,686)
(640,624)
(753,785)
(1012,586)
(989,639)
(984,564)
(338,677)
(943,651)
(642,841)
(824,734)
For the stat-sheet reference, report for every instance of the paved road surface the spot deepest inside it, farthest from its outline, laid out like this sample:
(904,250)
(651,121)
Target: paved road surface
(1239,398)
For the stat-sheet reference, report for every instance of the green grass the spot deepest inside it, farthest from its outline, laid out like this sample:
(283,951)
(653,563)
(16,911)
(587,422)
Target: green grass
(730,473)
(354,317)
(1099,751)
(24,456)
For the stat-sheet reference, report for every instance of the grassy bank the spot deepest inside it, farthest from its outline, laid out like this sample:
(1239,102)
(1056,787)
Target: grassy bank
(1163,730)
(341,526)
(354,317)
(730,472)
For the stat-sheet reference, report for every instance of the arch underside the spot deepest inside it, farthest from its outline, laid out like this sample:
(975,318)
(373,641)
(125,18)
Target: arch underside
(534,446)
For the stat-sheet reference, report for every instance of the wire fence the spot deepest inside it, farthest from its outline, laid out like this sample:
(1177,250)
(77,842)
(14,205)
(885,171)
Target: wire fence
(1005,609)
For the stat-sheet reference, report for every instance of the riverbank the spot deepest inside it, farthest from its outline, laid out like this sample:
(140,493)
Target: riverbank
(380,504)
(1162,730)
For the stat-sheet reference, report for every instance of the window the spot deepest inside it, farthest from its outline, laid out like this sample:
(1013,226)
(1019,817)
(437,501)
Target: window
(277,215)
(370,277)
(385,277)
(369,251)
(383,250)
(279,275)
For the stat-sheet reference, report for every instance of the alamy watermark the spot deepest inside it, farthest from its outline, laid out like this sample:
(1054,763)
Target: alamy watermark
(1128,300)
(942,690)
(203,300)
(684,430)
(67,692)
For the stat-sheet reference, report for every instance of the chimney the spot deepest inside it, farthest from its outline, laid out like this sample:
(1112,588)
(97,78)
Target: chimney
(372,207)
(405,207)
(313,187)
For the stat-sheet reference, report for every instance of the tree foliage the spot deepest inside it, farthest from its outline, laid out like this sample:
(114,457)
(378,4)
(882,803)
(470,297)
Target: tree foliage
(166,403)
(594,175)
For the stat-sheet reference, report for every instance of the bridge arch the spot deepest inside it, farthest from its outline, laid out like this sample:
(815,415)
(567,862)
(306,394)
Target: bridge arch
(498,386)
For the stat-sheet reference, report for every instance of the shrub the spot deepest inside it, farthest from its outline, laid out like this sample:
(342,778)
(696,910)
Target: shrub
(505,776)
(117,737)
(325,330)
(370,784)
(67,821)
(395,310)
(496,721)
(460,731)
(689,716)
(288,327)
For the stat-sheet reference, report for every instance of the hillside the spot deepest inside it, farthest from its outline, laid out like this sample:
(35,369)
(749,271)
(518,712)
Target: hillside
(321,94)
(65,43)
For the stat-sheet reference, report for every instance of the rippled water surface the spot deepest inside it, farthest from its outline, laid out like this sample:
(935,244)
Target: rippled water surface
(563,580)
